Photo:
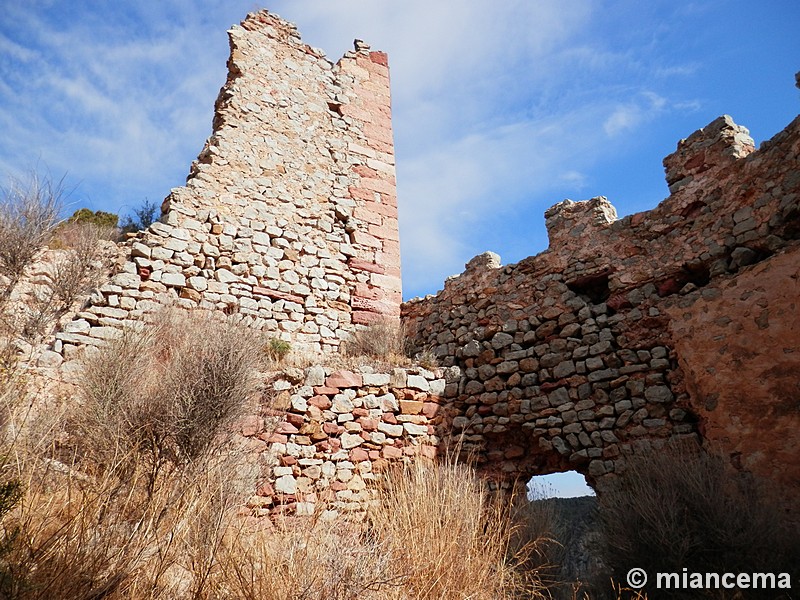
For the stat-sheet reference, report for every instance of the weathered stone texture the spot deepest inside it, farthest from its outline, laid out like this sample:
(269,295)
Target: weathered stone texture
(289,216)
(679,321)
(333,440)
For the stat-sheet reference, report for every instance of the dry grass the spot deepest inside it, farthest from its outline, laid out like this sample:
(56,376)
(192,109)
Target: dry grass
(449,538)
(383,339)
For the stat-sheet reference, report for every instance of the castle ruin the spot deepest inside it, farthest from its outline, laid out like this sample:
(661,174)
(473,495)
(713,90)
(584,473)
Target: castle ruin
(680,321)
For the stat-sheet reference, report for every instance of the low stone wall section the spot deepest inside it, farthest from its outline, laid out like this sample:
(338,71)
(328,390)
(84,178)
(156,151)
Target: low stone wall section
(327,437)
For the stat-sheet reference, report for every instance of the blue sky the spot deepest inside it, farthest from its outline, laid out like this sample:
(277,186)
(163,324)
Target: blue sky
(501,109)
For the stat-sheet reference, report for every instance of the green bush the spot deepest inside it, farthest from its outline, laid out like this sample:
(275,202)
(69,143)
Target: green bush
(85,216)
(277,349)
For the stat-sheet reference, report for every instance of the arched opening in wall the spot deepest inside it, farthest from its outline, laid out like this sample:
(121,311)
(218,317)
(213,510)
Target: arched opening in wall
(561,519)
(570,484)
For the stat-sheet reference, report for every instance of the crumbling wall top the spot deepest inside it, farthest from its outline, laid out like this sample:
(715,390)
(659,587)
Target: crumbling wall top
(716,145)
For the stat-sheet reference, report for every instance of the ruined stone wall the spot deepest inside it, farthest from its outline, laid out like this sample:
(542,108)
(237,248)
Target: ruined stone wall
(330,433)
(288,218)
(679,321)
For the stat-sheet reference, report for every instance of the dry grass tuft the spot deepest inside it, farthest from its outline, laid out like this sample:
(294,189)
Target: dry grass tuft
(383,339)
(682,506)
(448,537)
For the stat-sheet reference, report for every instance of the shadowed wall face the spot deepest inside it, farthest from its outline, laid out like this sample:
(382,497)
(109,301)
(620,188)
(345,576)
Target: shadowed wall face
(626,333)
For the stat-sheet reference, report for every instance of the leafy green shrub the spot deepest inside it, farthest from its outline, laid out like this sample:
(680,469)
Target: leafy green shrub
(86,216)
(277,349)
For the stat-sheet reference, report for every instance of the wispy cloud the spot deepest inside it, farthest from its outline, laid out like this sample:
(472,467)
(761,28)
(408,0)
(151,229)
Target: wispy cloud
(497,108)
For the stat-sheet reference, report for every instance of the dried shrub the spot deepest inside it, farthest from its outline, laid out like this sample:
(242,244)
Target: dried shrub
(75,269)
(684,507)
(162,395)
(384,339)
(306,558)
(28,214)
(75,537)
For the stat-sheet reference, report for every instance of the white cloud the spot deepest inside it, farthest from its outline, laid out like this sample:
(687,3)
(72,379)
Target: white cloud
(495,107)
(628,116)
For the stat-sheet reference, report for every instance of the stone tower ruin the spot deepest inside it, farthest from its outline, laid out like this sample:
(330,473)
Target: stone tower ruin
(289,215)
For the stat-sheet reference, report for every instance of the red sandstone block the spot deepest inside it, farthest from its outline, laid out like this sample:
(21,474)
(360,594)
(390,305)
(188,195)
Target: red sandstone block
(332,428)
(360,412)
(344,379)
(276,295)
(277,438)
(384,209)
(321,390)
(286,428)
(358,193)
(320,401)
(393,271)
(366,239)
(368,424)
(379,58)
(362,317)
(375,306)
(429,409)
(393,298)
(388,259)
(365,171)
(363,213)
(288,461)
(391,452)
(358,455)
(379,89)
(384,233)
(391,247)
(410,407)
(410,450)
(338,486)
(251,425)
(358,264)
(390,223)
(428,451)
(364,290)
(385,282)
(265,489)
(378,185)
(380,119)
(374,454)
(375,133)
(296,420)
(357,112)
(380,146)
(389,418)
